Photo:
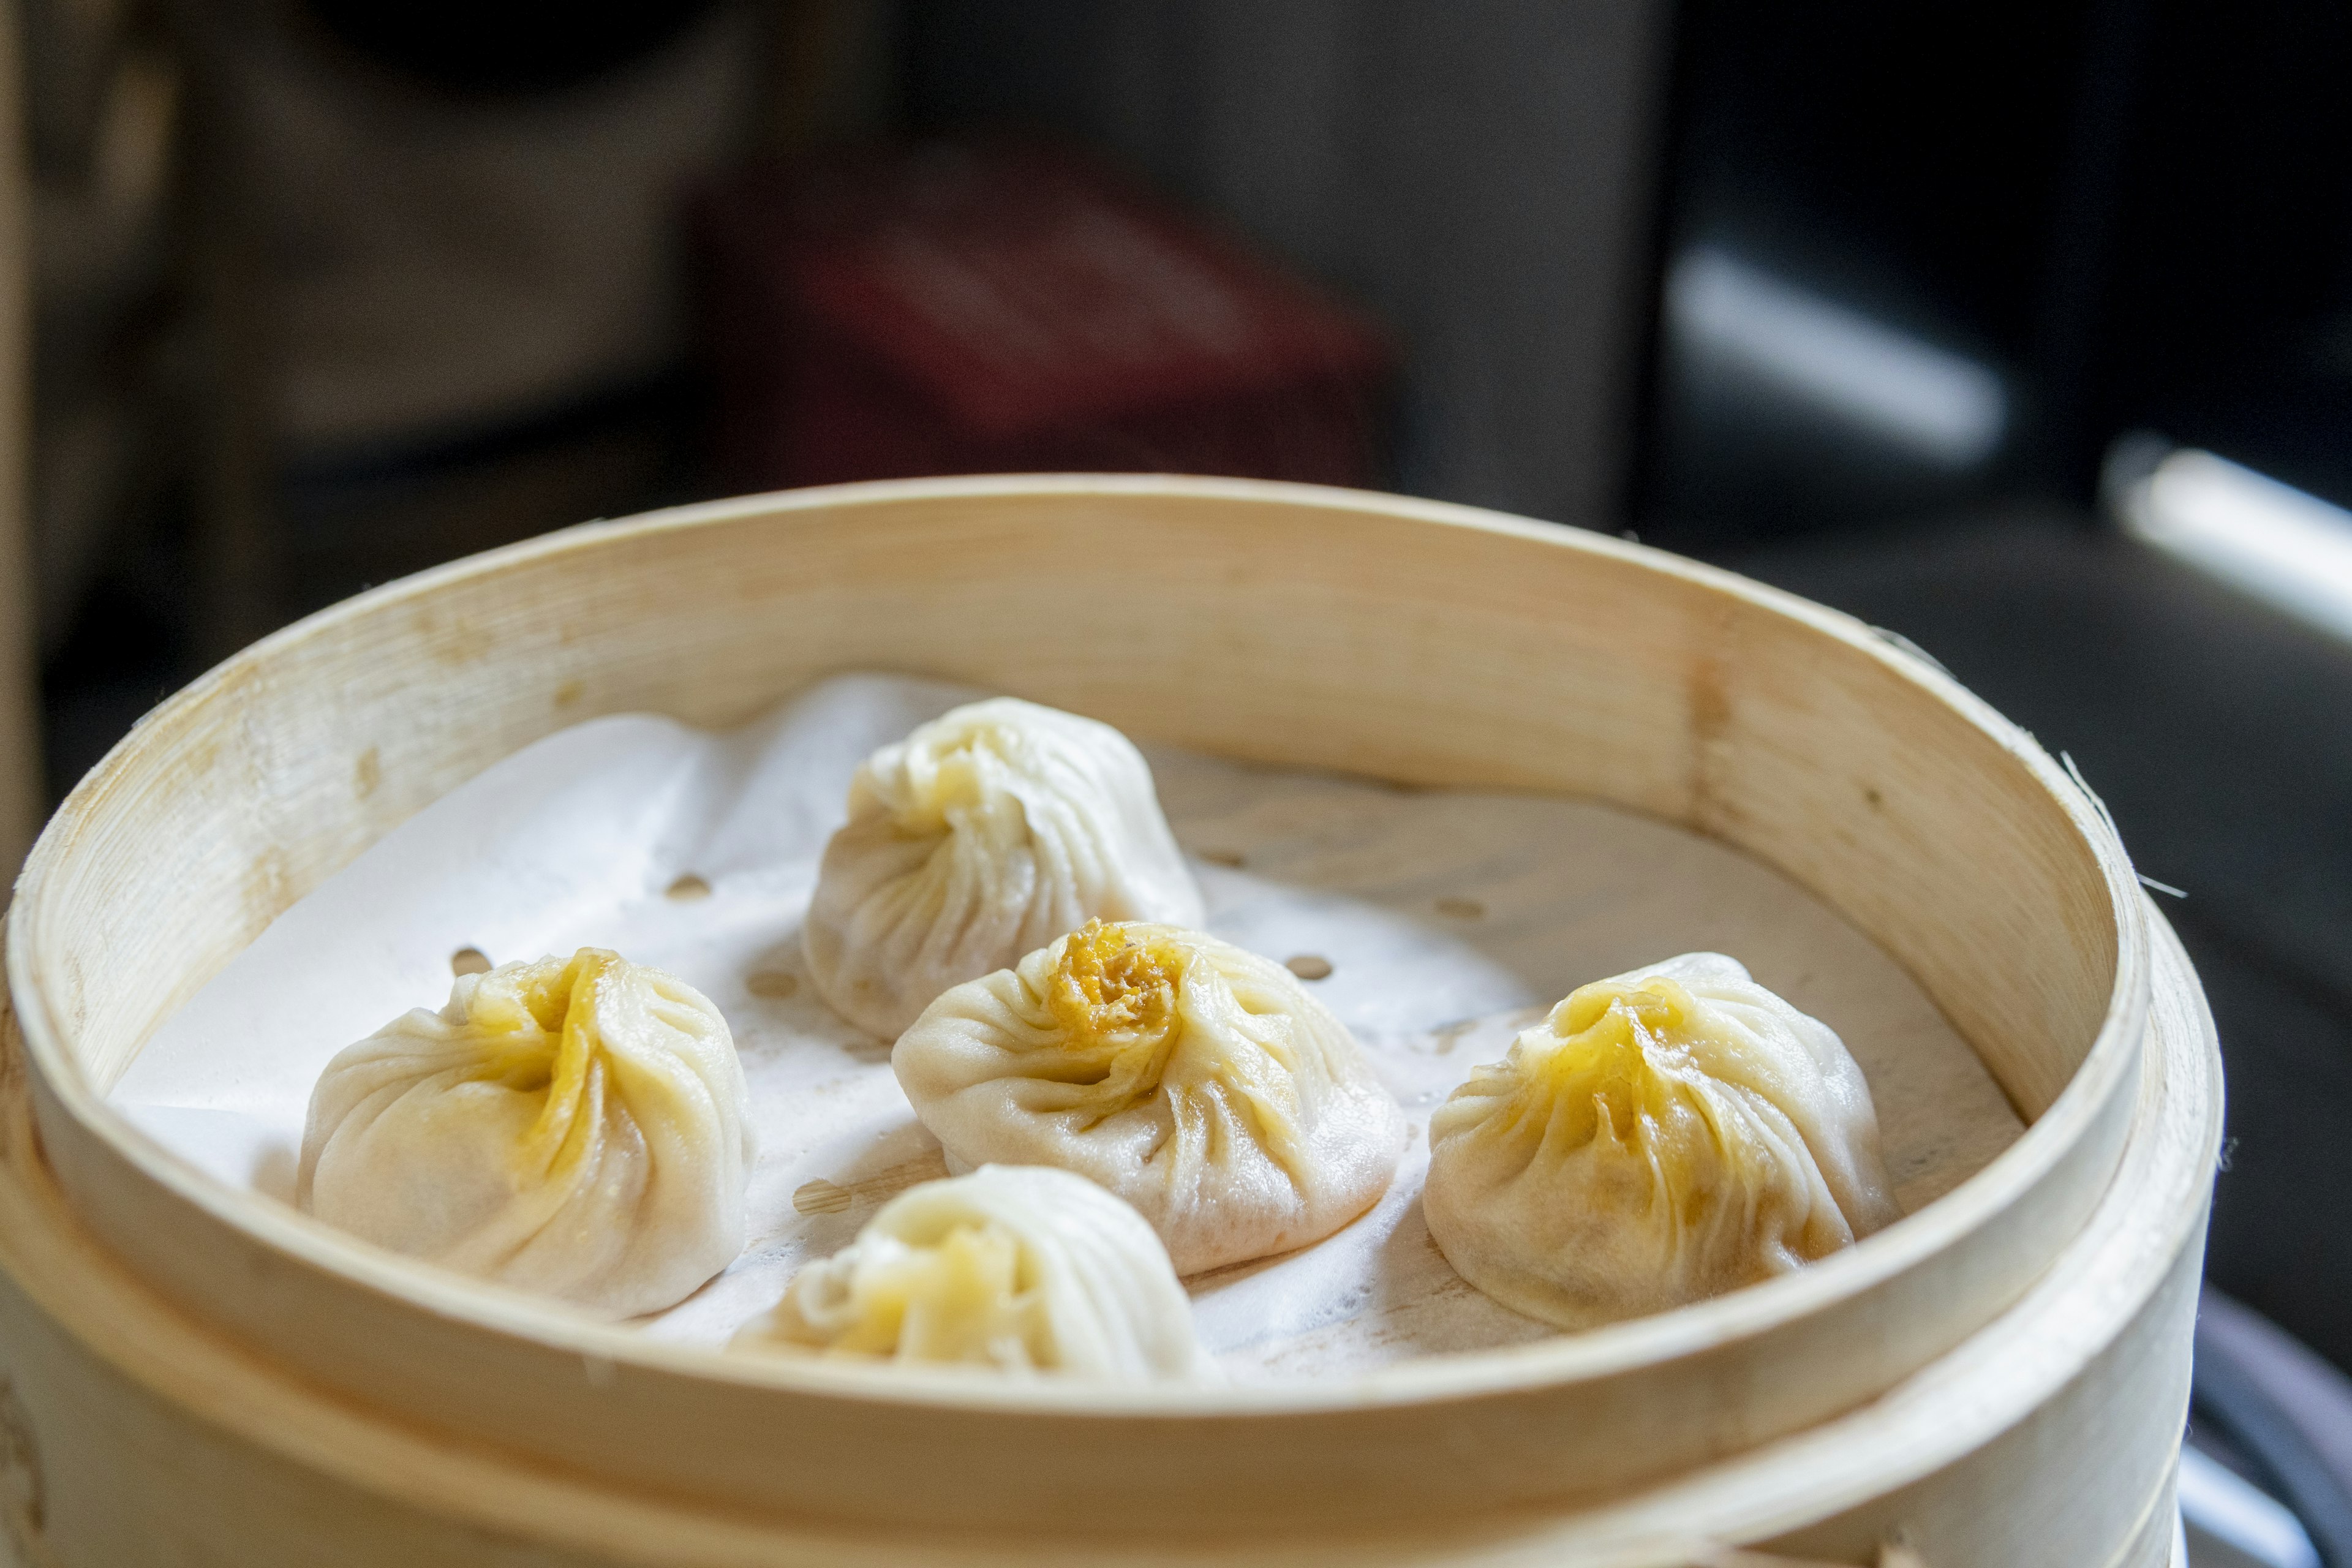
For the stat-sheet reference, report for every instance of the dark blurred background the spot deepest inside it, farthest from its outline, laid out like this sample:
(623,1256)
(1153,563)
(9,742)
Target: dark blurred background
(2025,330)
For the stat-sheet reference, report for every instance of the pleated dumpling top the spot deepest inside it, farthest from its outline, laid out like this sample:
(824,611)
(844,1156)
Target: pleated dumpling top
(1198,1081)
(1662,1136)
(981,836)
(1018,1270)
(578,1126)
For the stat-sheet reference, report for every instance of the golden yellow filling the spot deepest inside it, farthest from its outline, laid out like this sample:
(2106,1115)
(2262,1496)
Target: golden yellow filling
(948,1302)
(540,1023)
(1108,984)
(1113,1001)
(1612,1037)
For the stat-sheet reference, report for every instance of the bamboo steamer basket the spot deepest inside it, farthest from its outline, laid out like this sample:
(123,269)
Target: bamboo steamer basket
(196,1374)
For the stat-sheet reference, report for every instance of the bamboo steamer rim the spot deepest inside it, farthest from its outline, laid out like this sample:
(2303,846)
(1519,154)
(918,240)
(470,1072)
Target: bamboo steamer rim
(2112,1058)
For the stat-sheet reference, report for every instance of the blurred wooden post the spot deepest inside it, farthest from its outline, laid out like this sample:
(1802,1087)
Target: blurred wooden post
(20,752)
(239,566)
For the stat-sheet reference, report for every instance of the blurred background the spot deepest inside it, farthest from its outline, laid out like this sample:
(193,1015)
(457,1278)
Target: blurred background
(2022,329)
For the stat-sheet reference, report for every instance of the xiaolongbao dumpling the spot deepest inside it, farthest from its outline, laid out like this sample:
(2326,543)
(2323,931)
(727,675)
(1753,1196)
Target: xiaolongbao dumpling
(576,1127)
(1195,1080)
(1021,1268)
(1662,1136)
(981,837)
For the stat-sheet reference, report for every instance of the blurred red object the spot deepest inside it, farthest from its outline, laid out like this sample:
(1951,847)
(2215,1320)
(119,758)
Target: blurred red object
(996,308)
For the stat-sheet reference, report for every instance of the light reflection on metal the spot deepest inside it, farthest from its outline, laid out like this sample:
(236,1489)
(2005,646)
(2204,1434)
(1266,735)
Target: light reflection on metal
(2232,1522)
(1936,406)
(2274,541)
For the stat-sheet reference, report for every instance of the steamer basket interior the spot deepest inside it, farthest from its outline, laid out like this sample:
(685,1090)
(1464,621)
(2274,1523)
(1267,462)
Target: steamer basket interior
(1410,641)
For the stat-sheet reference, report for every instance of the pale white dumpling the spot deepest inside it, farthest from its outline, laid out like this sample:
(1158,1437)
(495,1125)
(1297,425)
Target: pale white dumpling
(1662,1136)
(981,836)
(1195,1080)
(1022,1269)
(575,1127)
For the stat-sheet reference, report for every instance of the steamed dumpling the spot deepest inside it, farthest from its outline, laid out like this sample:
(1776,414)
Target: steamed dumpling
(575,1127)
(1662,1136)
(1195,1080)
(1020,1268)
(981,837)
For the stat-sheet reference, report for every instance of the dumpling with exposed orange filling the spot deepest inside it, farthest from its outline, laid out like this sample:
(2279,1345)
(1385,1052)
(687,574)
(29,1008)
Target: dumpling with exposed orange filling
(578,1126)
(1197,1081)
(1662,1136)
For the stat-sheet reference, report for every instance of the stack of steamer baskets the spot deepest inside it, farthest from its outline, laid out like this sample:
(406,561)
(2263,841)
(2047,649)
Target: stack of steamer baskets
(192,1374)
